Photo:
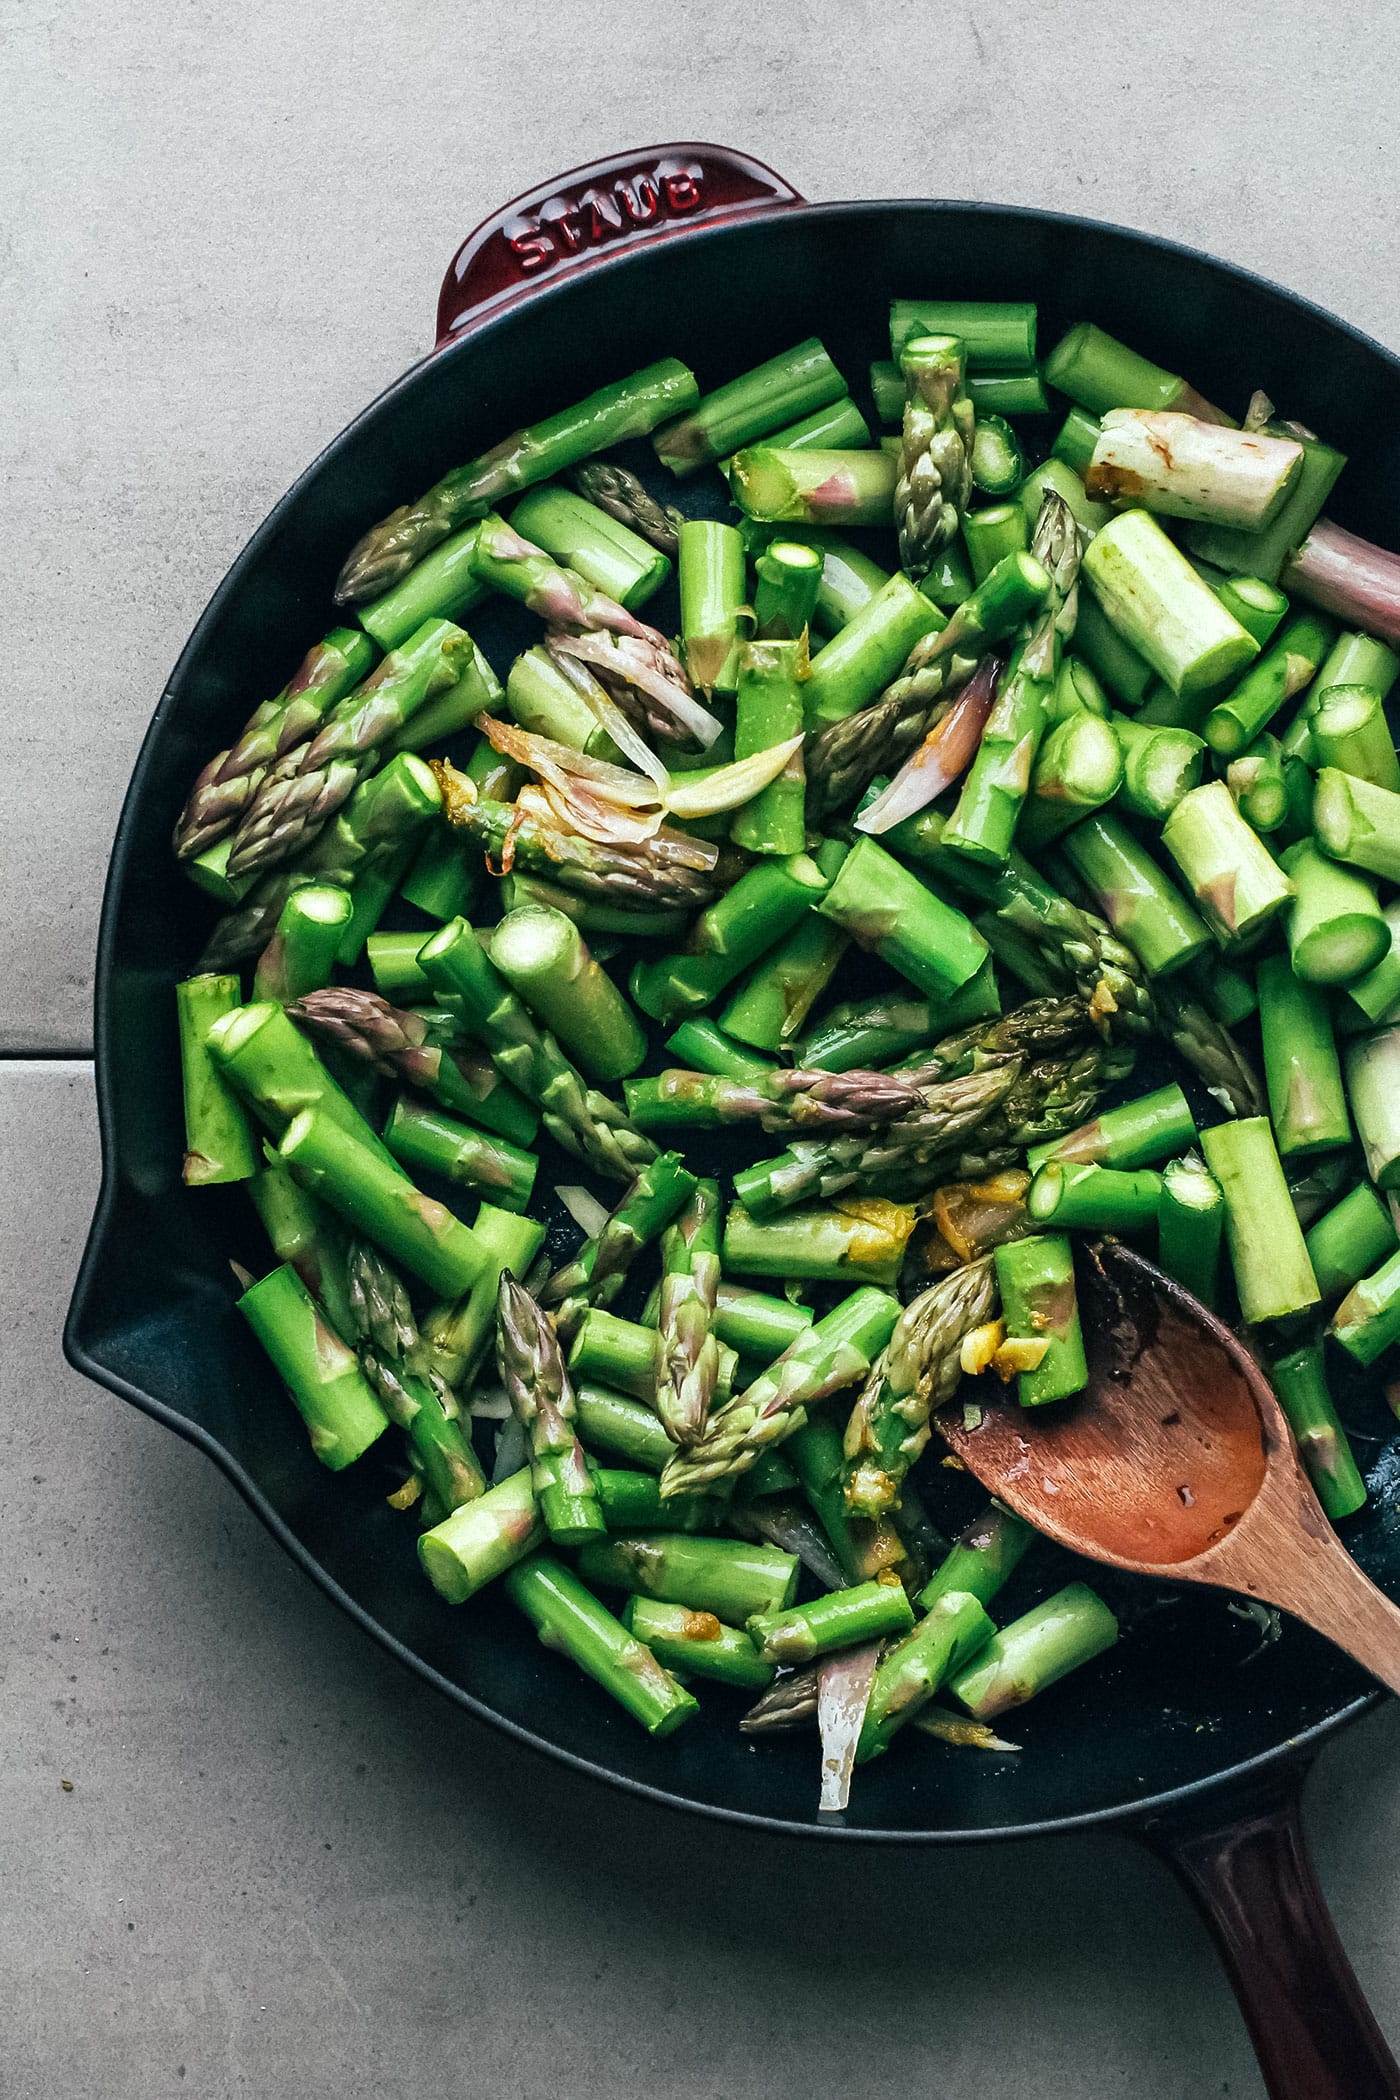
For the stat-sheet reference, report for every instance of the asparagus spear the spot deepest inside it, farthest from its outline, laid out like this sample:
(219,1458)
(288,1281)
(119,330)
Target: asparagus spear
(850,751)
(618,492)
(308,1236)
(616,1353)
(867,1611)
(544,958)
(1136,1134)
(1300,1380)
(1114,660)
(1154,598)
(1373,1086)
(935,468)
(919,1370)
(1190,1219)
(763,905)
(1036,1280)
(1076,949)
(1182,467)
(443,586)
(1160,765)
(1272,1272)
(583,1121)
(950,1637)
(226,786)
(1350,1240)
(883,907)
(300,793)
(629,408)
(998,463)
(1236,881)
(278,1074)
(1286,669)
(1094,1199)
(870,650)
(982,825)
(969,1129)
(330,1392)
(994,535)
(1349,731)
(728,1577)
(418,1047)
(701,1046)
(775,393)
(997,335)
(982,1560)
(1136,898)
(782,1100)
(482,1538)
(769,712)
(616,1423)
(1368,1318)
(712,598)
(1034,1652)
(367,837)
(632,1502)
(393,964)
(866,1032)
(833,1353)
(396,1363)
(302,952)
(785,486)
(588,540)
(570,1621)
(218,1142)
(542,1397)
(1358,823)
(672,868)
(788,580)
(1336,931)
(596,1273)
(378,1199)
(771,1003)
(688,1355)
(1100,373)
(424,1139)
(696,1641)
(1079,767)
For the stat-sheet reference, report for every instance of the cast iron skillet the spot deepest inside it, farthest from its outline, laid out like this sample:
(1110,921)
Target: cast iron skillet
(698,252)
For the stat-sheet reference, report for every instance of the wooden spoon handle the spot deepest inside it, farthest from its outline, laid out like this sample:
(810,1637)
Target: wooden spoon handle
(1319,1582)
(1245,1863)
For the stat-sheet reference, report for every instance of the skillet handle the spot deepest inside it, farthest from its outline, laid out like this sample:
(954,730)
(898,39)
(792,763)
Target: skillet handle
(1249,1872)
(567,224)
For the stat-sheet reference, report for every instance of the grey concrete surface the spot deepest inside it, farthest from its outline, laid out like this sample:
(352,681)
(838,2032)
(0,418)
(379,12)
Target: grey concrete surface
(224,231)
(285,1869)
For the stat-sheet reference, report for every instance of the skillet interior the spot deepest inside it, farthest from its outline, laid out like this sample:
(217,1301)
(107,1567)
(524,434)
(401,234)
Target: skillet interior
(1177,1704)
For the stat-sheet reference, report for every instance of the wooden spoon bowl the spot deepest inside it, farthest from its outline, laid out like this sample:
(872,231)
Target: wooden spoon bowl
(1175,1461)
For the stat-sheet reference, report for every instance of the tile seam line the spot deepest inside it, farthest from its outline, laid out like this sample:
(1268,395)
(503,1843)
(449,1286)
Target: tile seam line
(44,1056)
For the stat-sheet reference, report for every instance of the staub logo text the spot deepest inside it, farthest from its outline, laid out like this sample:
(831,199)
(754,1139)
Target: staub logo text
(630,202)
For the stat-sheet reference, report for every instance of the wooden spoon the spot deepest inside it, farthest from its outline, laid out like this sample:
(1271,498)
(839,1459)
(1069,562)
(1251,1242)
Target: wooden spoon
(1175,1461)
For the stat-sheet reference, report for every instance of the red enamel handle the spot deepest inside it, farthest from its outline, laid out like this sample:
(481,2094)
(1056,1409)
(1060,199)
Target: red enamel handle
(1248,1870)
(581,218)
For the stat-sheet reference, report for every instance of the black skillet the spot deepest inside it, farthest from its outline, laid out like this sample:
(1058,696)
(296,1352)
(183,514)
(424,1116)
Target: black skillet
(699,252)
